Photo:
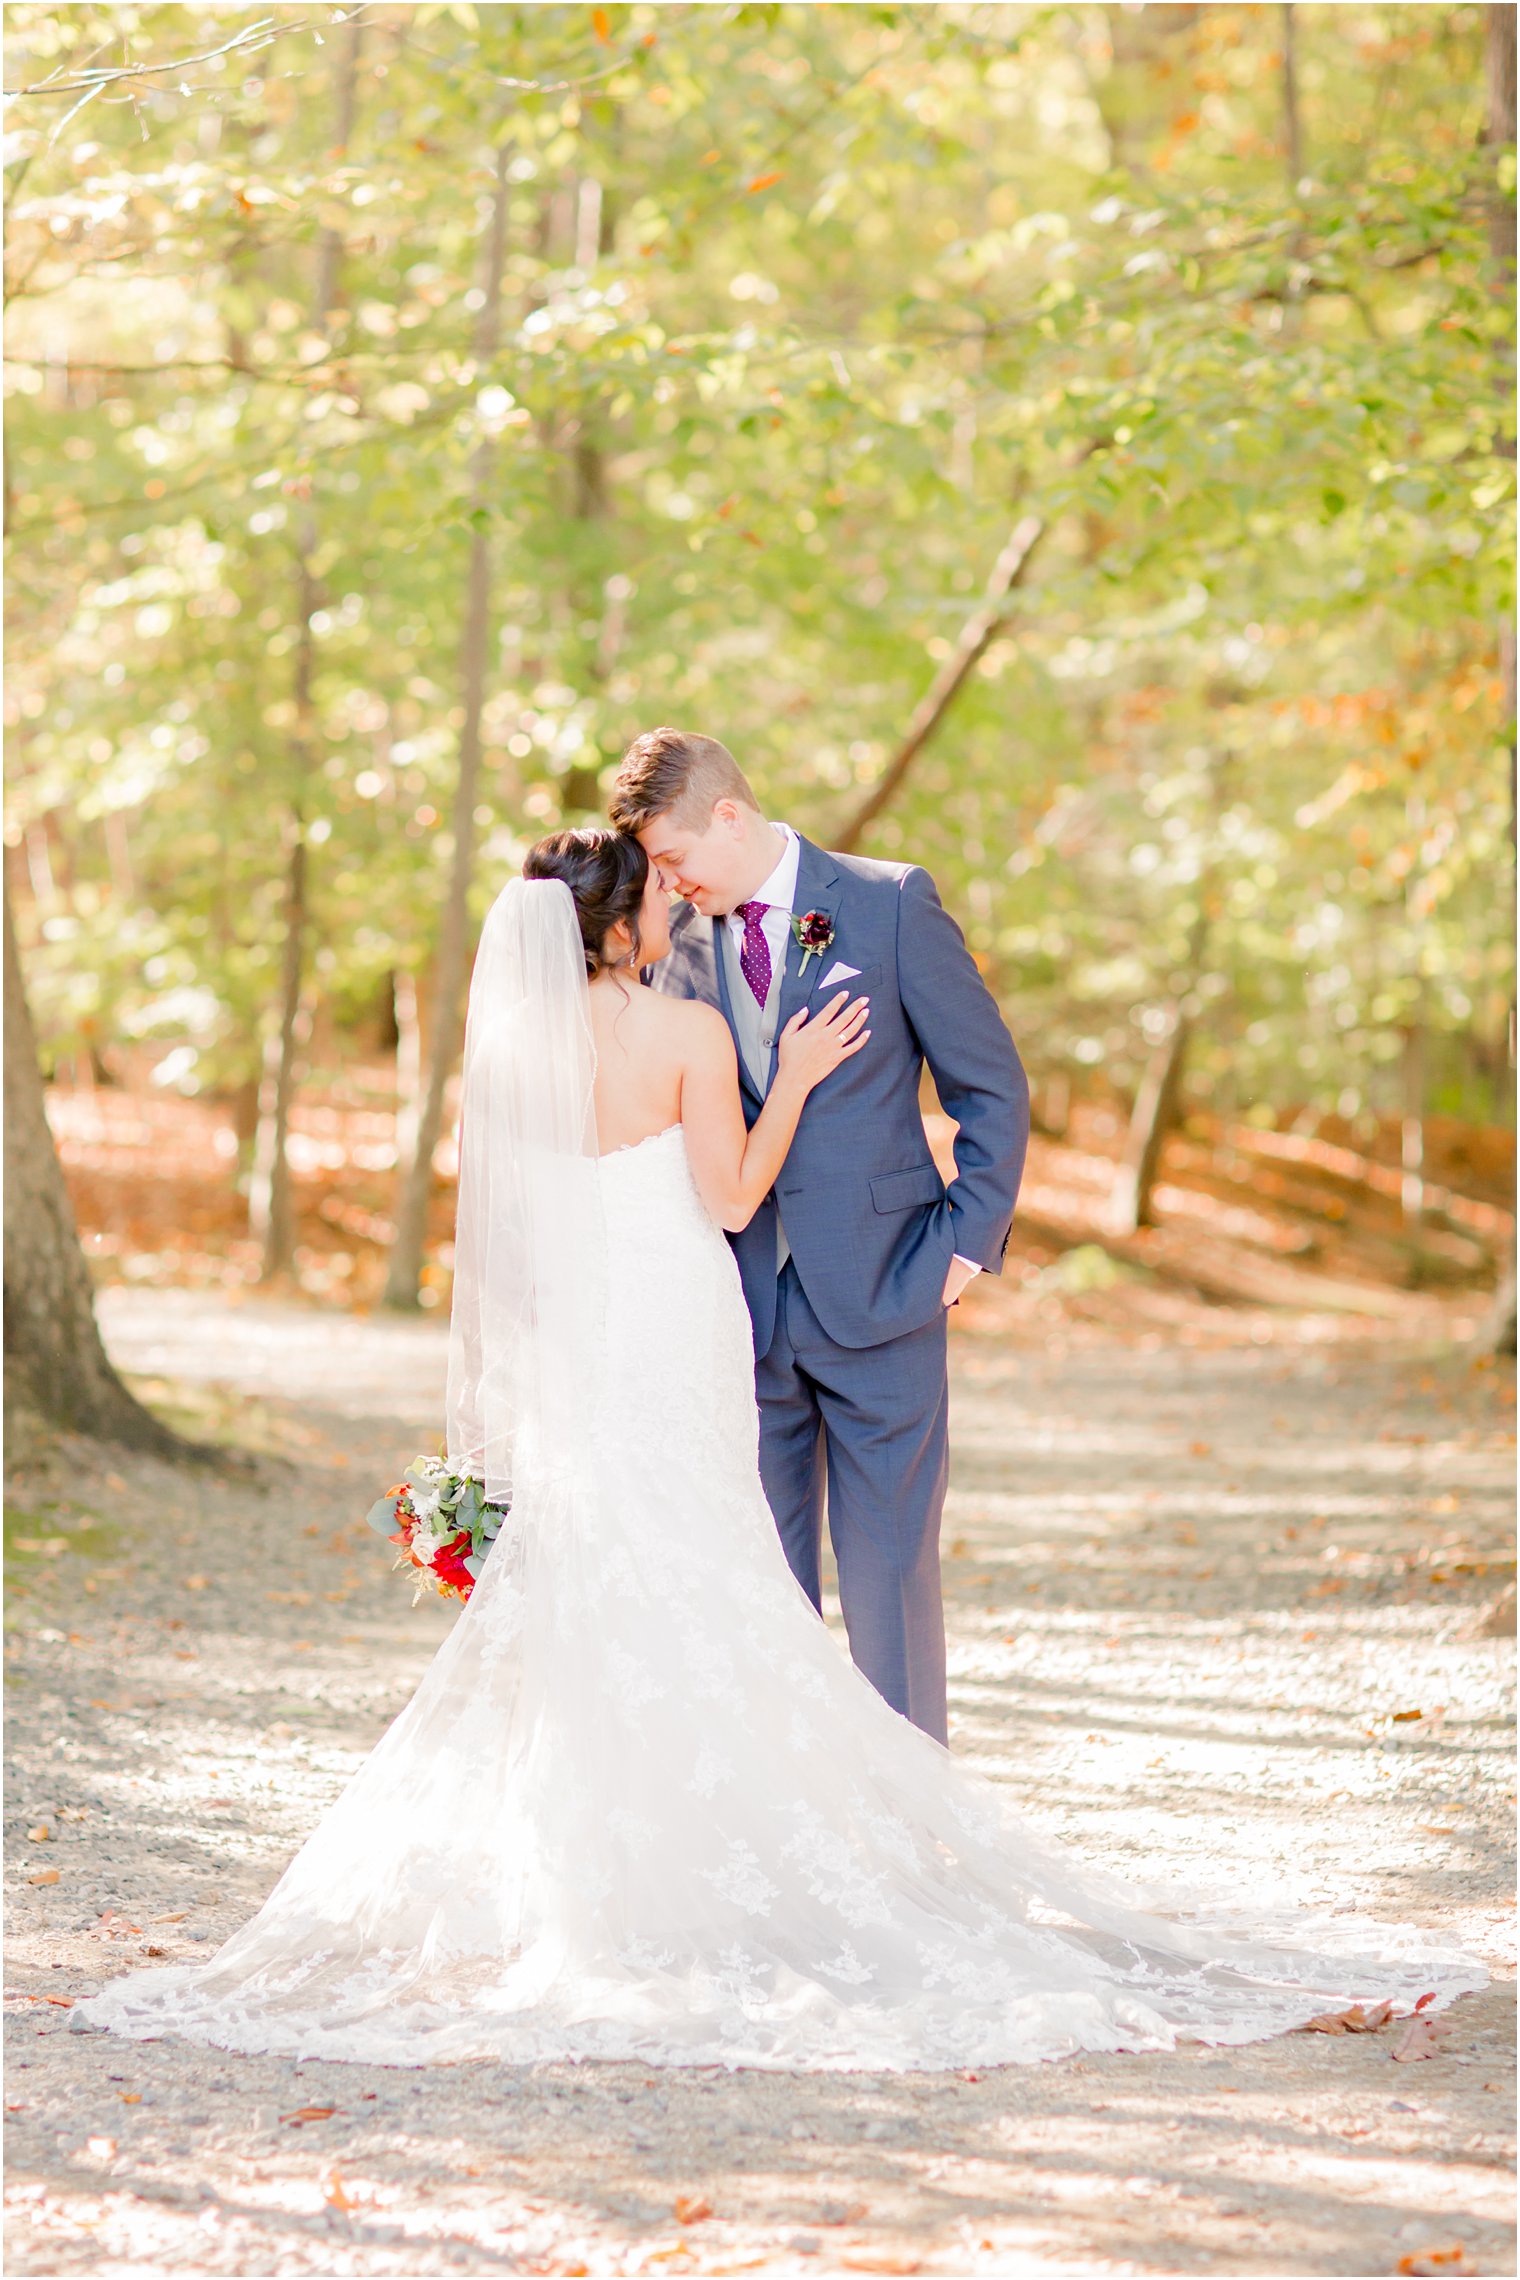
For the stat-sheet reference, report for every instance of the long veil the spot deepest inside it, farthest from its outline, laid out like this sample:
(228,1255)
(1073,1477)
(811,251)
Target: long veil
(529,1245)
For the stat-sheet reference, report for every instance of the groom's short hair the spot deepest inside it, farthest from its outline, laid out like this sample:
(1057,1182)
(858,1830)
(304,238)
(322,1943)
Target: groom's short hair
(669,771)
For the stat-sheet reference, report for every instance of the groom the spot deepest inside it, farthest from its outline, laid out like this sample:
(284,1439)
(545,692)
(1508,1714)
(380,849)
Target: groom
(851,1263)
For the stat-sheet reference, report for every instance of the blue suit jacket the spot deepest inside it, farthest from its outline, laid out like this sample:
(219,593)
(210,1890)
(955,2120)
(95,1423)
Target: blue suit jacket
(871,1225)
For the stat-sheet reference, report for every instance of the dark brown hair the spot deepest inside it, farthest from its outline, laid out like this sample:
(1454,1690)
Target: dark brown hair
(606,873)
(670,771)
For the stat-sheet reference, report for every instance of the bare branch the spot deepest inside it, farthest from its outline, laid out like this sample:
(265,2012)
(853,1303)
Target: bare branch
(252,37)
(976,638)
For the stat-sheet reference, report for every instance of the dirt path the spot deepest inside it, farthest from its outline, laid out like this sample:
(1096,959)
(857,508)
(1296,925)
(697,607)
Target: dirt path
(1194,1597)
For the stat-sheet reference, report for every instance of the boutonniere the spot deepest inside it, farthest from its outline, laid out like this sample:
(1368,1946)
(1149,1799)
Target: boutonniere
(814,931)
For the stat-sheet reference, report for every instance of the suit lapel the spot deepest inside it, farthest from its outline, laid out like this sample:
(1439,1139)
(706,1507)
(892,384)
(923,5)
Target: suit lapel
(692,937)
(818,888)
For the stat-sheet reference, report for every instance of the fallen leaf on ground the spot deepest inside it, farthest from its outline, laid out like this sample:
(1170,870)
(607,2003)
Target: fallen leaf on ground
(43,1876)
(311,2114)
(333,2193)
(691,2208)
(39,1835)
(177,1918)
(1426,2000)
(195,1582)
(130,2097)
(1422,2038)
(61,2002)
(1403,1717)
(1354,2021)
(1426,2261)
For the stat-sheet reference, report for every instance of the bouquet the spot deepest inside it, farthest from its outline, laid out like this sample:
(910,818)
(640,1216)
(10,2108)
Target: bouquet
(442,1525)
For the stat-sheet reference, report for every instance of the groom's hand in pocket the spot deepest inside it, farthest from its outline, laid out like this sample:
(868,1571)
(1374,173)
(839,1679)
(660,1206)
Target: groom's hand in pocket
(962,1272)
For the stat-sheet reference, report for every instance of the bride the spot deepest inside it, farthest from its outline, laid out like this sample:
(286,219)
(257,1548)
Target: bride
(641,1806)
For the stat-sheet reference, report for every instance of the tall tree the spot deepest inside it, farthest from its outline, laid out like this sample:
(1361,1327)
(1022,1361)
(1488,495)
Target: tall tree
(404,1267)
(271,1214)
(56,1365)
(1499,136)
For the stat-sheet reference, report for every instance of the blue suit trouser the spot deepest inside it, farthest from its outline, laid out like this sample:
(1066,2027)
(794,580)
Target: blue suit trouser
(867,1429)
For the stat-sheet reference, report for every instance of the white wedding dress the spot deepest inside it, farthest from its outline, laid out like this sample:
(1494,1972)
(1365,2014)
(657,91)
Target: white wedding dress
(642,1807)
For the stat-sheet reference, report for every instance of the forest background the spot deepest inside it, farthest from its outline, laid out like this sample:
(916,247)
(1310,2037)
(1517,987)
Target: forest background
(1068,446)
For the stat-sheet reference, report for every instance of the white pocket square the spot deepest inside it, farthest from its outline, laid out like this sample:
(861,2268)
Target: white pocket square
(838,972)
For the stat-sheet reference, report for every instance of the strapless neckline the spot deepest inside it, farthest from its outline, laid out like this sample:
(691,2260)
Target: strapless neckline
(631,1147)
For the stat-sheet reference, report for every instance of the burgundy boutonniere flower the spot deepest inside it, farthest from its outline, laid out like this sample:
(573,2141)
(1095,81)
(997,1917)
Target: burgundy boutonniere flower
(814,930)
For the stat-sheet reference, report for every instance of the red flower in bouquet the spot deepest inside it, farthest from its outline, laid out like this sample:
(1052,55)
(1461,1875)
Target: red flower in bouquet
(449,1567)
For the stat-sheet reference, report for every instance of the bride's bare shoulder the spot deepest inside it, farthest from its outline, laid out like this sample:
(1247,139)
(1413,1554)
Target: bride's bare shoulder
(694,1027)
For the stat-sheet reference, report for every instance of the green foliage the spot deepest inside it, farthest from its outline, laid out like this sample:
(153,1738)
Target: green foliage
(803,305)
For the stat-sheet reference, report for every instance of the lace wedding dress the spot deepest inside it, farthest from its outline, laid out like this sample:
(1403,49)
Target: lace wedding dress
(643,1807)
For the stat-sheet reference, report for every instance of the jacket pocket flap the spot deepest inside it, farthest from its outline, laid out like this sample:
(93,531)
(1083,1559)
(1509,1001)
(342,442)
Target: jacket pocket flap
(899,1191)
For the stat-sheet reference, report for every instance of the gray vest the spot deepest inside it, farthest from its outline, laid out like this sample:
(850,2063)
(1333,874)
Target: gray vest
(756,1028)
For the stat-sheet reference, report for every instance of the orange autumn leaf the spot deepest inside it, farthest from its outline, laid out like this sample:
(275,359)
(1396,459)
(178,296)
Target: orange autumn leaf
(691,2208)
(43,1876)
(762,182)
(1355,2021)
(310,2114)
(600,25)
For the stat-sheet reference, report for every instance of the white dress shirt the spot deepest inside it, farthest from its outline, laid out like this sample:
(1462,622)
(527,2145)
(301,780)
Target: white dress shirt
(779,891)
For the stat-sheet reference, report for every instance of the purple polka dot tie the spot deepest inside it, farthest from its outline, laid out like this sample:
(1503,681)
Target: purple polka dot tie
(755,957)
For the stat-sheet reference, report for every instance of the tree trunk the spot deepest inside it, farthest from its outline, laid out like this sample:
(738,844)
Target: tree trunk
(1293,147)
(1155,1113)
(1499,134)
(408,1062)
(56,1365)
(1412,1130)
(404,1270)
(977,636)
(271,1206)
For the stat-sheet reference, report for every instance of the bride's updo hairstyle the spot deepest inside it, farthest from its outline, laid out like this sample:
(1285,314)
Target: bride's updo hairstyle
(606,873)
